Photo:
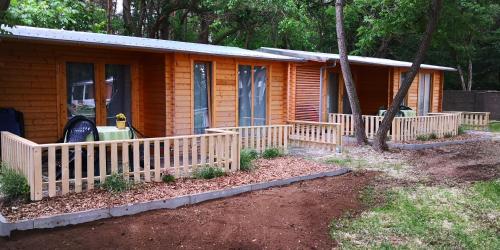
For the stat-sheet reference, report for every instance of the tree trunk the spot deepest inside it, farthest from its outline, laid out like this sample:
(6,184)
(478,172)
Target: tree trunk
(346,73)
(127,17)
(469,80)
(4,5)
(462,78)
(380,139)
(109,9)
(204,29)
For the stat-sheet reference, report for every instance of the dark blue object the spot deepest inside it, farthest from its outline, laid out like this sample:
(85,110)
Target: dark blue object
(12,120)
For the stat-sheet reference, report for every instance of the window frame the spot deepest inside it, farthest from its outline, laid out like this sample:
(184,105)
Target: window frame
(252,65)
(210,92)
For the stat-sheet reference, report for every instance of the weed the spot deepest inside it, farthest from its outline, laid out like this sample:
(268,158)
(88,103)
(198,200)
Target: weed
(116,183)
(432,136)
(208,172)
(13,185)
(461,129)
(338,161)
(246,158)
(422,137)
(168,178)
(270,153)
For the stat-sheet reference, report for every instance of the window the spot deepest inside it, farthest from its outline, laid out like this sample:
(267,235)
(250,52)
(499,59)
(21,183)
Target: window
(252,95)
(80,89)
(424,94)
(402,78)
(202,93)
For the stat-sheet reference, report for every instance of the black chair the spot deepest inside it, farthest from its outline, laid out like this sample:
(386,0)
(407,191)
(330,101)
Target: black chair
(77,129)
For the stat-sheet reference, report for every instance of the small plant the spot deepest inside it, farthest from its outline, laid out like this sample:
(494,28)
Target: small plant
(13,185)
(338,161)
(448,135)
(271,153)
(246,158)
(432,136)
(115,183)
(208,172)
(168,178)
(461,130)
(121,117)
(422,137)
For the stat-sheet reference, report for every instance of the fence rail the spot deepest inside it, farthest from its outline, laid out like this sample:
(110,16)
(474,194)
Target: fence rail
(261,137)
(317,134)
(60,168)
(403,128)
(474,120)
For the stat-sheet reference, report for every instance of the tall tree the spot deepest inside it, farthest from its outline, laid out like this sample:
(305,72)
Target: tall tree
(346,73)
(380,139)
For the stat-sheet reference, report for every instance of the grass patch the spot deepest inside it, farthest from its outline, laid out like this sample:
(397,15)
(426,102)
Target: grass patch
(13,185)
(426,217)
(495,126)
(461,129)
(208,172)
(247,156)
(116,183)
(271,153)
(339,161)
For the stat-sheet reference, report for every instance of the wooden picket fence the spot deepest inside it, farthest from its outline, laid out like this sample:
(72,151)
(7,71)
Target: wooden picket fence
(261,137)
(403,128)
(473,120)
(60,168)
(322,135)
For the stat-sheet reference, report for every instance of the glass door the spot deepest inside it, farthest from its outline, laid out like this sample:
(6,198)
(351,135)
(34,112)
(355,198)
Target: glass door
(118,92)
(332,98)
(80,90)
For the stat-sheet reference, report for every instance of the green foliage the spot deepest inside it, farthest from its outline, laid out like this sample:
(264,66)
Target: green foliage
(247,156)
(448,135)
(168,178)
(494,127)
(13,185)
(59,14)
(431,136)
(425,217)
(339,161)
(116,183)
(271,153)
(461,130)
(208,172)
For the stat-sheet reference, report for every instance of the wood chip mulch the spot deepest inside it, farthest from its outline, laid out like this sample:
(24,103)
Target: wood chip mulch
(265,170)
(461,137)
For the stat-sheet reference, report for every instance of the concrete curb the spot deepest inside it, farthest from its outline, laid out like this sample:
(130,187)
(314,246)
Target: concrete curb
(102,213)
(435,144)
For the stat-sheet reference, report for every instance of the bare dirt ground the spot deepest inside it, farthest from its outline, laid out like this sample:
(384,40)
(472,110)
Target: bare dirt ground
(292,217)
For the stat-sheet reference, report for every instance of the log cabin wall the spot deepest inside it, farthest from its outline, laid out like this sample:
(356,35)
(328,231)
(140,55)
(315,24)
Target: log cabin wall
(224,97)
(412,97)
(307,91)
(33,77)
(372,83)
(154,114)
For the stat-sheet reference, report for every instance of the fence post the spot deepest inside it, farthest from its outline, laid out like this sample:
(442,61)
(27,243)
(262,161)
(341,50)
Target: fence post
(36,173)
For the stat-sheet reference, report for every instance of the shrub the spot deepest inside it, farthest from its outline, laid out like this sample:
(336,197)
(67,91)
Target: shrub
(208,172)
(270,153)
(115,183)
(168,178)
(422,137)
(432,136)
(448,135)
(461,130)
(13,185)
(246,158)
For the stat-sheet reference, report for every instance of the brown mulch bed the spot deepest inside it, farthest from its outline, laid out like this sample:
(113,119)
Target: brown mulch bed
(292,217)
(266,170)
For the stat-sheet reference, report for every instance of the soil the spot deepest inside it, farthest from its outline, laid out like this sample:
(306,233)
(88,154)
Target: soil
(292,217)
(459,163)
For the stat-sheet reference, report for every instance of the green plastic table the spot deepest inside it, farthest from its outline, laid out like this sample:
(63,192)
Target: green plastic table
(408,113)
(111,133)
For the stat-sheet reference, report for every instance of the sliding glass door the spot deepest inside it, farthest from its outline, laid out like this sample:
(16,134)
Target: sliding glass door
(80,90)
(252,95)
(424,94)
(118,88)
(98,100)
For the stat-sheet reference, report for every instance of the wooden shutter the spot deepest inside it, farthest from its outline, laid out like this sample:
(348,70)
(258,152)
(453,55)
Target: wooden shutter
(307,93)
